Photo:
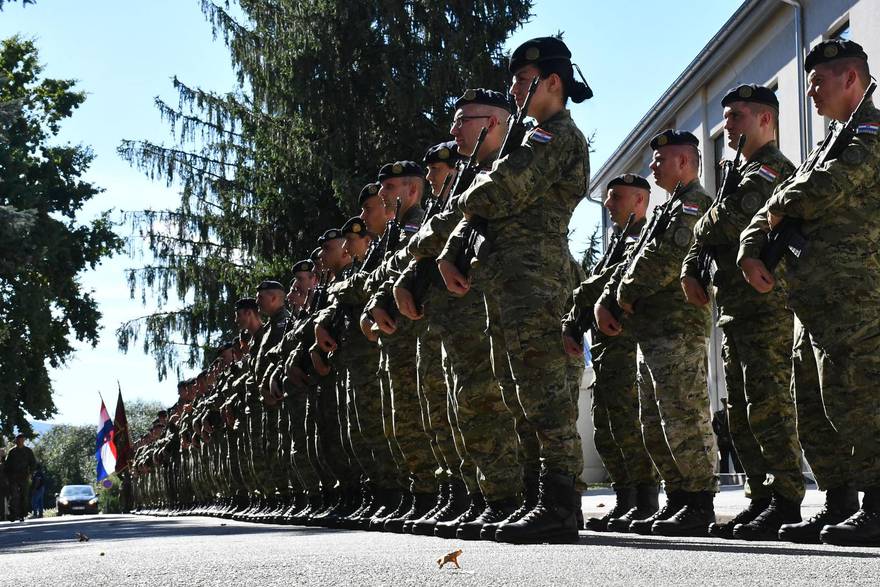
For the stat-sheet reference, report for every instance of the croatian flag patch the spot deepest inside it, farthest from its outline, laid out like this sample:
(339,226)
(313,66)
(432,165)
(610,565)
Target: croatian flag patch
(411,228)
(768,173)
(689,208)
(539,135)
(869,128)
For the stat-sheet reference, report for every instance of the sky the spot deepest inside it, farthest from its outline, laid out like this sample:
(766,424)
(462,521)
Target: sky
(124,53)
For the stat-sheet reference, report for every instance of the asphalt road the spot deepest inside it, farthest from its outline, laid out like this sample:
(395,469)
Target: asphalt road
(137,550)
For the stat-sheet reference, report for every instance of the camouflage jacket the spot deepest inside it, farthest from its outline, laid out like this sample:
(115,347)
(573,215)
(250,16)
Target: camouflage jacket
(719,230)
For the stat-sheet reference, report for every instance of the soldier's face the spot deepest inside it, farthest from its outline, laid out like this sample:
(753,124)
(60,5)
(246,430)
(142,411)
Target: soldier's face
(666,168)
(519,85)
(303,281)
(373,214)
(621,201)
(739,119)
(392,189)
(333,255)
(356,246)
(436,175)
(466,126)
(828,91)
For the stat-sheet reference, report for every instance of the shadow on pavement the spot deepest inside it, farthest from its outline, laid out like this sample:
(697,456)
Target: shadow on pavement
(713,545)
(51,531)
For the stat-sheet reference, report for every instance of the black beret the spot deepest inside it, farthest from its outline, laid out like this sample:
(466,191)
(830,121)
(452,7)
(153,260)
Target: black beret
(443,153)
(246,304)
(270,284)
(631,180)
(674,137)
(314,254)
(330,235)
(401,169)
(751,93)
(304,265)
(487,98)
(20,435)
(536,51)
(355,225)
(162,413)
(831,50)
(368,191)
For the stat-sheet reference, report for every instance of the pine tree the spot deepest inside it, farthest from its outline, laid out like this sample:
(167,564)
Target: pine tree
(329,90)
(44,246)
(593,251)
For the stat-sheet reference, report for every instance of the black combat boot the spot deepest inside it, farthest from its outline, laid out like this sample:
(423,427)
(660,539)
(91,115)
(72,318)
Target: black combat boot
(456,504)
(442,500)
(553,520)
(675,500)
(403,505)
(626,500)
(314,504)
(496,511)
(725,529)
(531,488)
(379,499)
(448,528)
(386,501)
(420,505)
(647,504)
(766,525)
(840,504)
(691,520)
(365,500)
(860,529)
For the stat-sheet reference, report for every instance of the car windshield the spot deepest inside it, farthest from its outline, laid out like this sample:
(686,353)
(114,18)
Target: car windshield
(77,491)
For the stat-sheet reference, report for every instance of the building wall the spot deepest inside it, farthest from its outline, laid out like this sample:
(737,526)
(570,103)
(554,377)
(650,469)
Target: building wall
(769,58)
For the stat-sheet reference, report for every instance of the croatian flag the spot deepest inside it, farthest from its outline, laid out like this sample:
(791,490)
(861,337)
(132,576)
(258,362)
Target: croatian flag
(105,448)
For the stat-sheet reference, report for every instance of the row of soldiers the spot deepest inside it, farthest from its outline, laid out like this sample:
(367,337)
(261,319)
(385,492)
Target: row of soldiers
(377,396)
(429,393)
(800,348)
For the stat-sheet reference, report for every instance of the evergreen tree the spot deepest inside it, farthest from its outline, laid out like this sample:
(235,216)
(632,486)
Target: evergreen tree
(593,252)
(44,246)
(329,90)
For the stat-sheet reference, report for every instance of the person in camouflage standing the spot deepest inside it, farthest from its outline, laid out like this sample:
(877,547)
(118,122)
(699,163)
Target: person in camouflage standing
(756,329)
(671,337)
(617,431)
(527,199)
(834,284)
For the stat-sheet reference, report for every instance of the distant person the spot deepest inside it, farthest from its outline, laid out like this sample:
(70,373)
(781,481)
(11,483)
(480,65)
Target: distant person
(20,464)
(38,491)
(4,485)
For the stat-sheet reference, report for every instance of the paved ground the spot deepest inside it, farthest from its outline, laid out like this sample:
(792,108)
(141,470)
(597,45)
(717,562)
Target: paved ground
(134,550)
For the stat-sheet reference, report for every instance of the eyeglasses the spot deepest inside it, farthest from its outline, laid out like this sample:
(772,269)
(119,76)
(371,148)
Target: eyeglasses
(459,121)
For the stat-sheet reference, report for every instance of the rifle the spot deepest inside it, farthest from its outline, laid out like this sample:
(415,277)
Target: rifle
(615,248)
(439,203)
(707,265)
(378,248)
(656,227)
(787,236)
(476,248)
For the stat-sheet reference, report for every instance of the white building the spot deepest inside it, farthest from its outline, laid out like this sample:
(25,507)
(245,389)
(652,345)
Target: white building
(764,42)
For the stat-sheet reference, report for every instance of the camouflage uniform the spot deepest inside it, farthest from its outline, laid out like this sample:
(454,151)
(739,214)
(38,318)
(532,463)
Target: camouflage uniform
(528,199)
(756,340)
(615,406)
(671,337)
(835,285)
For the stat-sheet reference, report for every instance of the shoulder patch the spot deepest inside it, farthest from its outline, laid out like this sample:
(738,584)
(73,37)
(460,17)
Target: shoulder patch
(541,136)
(682,236)
(868,128)
(690,208)
(768,173)
(411,227)
(750,202)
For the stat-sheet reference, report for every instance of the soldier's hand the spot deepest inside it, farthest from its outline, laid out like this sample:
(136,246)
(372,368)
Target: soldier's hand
(773,219)
(324,340)
(275,390)
(406,304)
(298,377)
(627,308)
(694,293)
(321,367)
(757,275)
(385,323)
(455,282)
(571,346)
(605,321)
(367,328)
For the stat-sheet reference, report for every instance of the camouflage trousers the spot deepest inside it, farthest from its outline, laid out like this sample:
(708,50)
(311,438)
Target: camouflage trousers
(846,347)
(486,425)
(399,352)
(328,427)
(615,409)
(317,456)
(674,410)
(294,406)
(530,301)
(761,413)
(371,442)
